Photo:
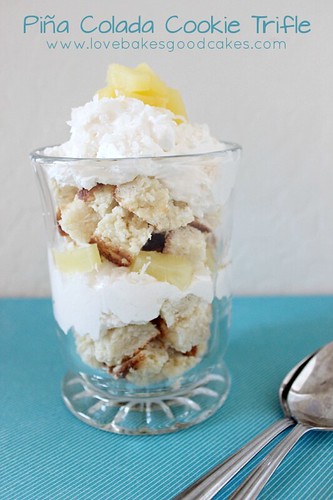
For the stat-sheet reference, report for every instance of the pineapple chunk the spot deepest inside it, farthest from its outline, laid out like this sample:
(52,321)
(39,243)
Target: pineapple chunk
(78,260)
(128,79)
(156,84)
(175,269)
(143,84)
(153,100)
(106,92)
(176,103)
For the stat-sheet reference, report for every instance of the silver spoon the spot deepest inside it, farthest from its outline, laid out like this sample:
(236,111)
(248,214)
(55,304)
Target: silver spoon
(310,402)
(208,485)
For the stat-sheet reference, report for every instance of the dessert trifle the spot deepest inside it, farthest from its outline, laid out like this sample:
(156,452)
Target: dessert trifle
(137,205)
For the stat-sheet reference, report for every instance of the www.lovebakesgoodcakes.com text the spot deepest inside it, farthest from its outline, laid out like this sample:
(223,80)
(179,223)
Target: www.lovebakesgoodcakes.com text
(174,24)
(142,44)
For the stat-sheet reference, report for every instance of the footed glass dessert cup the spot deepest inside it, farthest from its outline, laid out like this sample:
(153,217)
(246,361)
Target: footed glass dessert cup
(139,260)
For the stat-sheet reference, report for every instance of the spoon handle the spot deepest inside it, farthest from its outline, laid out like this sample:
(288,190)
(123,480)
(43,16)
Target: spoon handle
(256,480)
(208,485)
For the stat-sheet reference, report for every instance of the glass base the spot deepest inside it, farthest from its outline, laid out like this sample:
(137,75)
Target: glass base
(148,414)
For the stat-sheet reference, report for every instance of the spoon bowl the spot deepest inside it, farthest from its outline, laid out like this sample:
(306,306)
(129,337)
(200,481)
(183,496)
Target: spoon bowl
(289,380)
(310,398)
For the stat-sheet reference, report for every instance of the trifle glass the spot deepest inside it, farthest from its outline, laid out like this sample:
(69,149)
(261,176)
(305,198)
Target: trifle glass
(137,207)
(140,274)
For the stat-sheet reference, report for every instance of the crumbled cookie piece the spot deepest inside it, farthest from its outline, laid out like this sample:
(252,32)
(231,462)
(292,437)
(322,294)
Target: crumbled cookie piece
(86,348)
(128,364)
(161,326)
(100,198)
(116,344)
(199,225)
(179,215)
(139,353)
(156,362)
(123,342)
(120,235)
(192,352)
(79,221)
(149,364)
(58,218)
(179,363)
(63,195)
(117,256)
(165,347)
(186,241)
(150,200)
(144,196)
(188,321)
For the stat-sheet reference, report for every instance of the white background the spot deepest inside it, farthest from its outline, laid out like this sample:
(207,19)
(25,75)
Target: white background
(277,104)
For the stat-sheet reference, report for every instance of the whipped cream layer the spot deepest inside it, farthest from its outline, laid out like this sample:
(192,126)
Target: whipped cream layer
(93,302)
(202,183)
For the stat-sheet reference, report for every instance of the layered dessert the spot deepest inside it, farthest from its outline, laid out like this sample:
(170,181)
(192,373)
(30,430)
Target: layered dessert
(139,199)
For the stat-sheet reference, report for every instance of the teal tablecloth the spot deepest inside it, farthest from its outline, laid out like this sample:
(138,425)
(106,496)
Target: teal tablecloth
(46,453)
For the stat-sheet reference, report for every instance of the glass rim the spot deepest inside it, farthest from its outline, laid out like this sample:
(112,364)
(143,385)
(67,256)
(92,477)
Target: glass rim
(38,154)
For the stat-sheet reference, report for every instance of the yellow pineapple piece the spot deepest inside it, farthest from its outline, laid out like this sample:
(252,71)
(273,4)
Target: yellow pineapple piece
(143,84)
(152,100)
(175,269)
(157,86)
(108,91)
(176,103)
(128,79)
(77,260)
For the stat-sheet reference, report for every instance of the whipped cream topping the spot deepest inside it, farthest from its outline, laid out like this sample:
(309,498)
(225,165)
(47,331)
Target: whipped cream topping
(126,127)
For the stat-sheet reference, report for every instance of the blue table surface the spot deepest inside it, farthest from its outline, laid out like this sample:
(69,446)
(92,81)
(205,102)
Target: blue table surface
(46,453)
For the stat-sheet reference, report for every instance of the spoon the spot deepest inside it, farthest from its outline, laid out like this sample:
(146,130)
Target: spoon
(310,402)
(208,485)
